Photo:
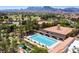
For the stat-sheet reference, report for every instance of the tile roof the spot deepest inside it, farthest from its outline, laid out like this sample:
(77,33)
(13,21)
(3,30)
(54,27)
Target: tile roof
(63,30)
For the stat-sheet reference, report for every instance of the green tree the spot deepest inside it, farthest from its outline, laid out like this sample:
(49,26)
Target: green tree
(64,22)
(36,49)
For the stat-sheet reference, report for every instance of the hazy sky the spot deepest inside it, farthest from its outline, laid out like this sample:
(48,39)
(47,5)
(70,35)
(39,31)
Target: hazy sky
(24,7)
(12,7)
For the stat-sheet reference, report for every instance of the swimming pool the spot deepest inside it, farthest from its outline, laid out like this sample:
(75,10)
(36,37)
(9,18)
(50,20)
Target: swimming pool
(47,41)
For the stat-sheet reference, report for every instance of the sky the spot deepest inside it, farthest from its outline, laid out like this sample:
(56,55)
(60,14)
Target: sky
(24,7)
(12,7)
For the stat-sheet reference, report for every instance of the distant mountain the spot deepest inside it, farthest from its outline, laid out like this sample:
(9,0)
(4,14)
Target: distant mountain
(43,8)
(34,8)
(71,10)
(48,8)
(9,10)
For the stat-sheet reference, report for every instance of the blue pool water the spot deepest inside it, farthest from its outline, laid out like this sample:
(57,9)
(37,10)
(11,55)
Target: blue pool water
(43,39)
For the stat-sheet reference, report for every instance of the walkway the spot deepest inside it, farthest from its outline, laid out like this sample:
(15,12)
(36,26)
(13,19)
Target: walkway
(62,47)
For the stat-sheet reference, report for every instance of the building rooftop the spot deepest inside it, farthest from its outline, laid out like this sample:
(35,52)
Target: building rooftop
(59,29)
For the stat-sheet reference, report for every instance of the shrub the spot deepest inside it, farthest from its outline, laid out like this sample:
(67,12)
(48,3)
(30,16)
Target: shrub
(39,50)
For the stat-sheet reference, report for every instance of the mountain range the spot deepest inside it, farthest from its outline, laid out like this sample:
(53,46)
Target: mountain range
(44,8)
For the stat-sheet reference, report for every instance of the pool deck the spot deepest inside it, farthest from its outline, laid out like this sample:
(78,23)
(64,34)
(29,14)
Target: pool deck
(62,46)
(32,42)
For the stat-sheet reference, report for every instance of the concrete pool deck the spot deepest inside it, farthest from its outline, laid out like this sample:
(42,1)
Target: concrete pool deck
(62,46)
(26,39)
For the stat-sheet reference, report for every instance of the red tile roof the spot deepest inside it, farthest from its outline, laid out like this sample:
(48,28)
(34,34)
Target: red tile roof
(63,30)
